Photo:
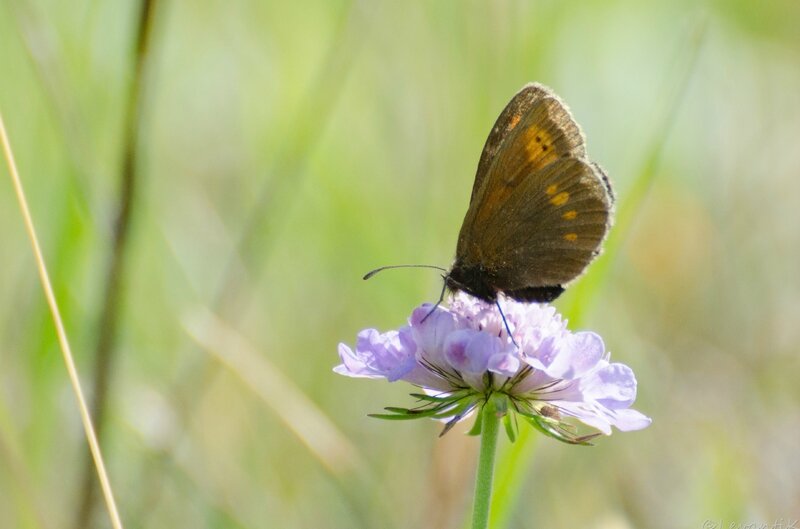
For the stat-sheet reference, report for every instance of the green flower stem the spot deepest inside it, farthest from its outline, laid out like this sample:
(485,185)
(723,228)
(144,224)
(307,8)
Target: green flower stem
(490,426)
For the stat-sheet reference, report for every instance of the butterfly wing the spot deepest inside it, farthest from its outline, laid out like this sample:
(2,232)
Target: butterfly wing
(539,210)
(553,227)
(544,134)
(519,106)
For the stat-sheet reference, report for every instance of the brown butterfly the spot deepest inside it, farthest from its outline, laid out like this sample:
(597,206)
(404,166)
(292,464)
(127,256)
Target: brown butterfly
(539,208)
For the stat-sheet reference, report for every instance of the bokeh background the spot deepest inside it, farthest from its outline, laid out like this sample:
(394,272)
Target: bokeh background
(279,150)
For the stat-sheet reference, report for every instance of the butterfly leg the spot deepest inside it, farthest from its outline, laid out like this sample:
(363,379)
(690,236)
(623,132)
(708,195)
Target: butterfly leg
(441,298)
(505,322)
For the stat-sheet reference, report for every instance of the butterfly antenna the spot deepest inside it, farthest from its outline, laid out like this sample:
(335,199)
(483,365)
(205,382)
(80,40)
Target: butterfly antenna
(505,322)
(381,269)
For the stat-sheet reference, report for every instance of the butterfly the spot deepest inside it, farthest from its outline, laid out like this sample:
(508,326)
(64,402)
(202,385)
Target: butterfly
(539,209)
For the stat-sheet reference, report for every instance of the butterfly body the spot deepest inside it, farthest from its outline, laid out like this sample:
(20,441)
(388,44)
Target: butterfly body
(539,208)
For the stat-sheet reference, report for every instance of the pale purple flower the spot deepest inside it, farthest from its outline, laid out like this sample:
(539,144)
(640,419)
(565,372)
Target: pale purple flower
(462,354)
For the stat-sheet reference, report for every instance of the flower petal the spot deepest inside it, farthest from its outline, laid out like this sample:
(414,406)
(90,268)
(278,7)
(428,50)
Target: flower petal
(468,351)
(504,363)
(430,334)
(352,365)
(568,357)
(598,416)
(629,420)
(588,413)
(612,385)
(389,355)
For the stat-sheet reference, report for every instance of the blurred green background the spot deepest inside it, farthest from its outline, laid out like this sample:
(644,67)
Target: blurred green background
(282,149)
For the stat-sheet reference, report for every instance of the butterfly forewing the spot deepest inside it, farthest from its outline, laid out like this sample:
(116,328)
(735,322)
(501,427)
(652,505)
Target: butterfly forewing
(543,135)
(509,118)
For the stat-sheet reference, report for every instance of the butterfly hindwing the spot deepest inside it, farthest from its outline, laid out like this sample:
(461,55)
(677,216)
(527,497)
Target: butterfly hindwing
(553,227)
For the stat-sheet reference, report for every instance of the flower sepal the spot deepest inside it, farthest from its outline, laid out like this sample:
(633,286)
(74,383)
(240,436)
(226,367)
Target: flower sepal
(455,407)
(451,407)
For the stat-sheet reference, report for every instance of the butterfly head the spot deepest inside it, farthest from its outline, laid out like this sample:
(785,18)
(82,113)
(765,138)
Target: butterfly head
(472,279)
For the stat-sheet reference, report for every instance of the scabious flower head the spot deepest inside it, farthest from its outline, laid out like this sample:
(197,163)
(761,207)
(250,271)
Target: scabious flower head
(463,355)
